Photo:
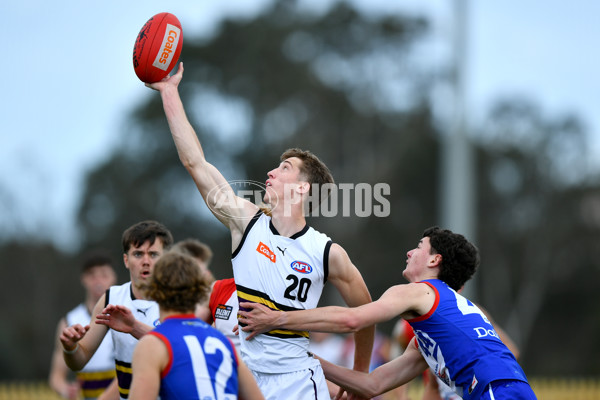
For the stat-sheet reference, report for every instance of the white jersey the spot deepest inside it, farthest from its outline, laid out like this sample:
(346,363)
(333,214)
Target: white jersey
(284,274)
(99,371)
(104,358)
(145,311)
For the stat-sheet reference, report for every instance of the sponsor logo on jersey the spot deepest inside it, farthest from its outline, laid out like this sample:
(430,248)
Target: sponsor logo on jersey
(266,251)
(223,311)
(483,332)
(301,267)
(143,310)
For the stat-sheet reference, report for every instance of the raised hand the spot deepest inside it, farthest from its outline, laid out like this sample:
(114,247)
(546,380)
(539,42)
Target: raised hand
(73,334)
(117,317)
(169,80)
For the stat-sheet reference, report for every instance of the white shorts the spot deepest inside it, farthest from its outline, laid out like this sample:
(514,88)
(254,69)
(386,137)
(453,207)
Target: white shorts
(306,384)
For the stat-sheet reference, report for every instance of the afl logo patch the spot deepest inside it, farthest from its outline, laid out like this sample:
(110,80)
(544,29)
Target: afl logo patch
(301,267)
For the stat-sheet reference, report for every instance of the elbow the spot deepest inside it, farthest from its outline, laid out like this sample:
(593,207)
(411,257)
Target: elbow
(369,393)
(188,163)
(195,165)
(74,366)
(191,157)
(369,389)
(352,323)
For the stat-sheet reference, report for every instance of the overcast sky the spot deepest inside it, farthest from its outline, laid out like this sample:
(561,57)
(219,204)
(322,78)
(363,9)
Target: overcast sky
(69,83)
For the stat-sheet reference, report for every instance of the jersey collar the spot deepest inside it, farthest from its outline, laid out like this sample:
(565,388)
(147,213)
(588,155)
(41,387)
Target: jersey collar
(294,236)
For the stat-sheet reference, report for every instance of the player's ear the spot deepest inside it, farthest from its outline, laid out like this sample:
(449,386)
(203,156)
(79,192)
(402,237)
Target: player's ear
(304,187)
(436,260)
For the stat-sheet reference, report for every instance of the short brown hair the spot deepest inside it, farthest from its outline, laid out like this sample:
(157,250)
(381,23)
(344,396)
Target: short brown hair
(195,248)
(313,169)
(144,231)
(177,283)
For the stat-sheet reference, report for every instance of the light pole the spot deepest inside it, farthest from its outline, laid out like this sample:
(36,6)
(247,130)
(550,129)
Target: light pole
(458,192)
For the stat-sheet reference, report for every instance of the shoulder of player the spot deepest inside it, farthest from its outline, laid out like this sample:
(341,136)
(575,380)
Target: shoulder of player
(238,223)
(152,340)
(152,347)
(415,290)
(413,294)
(338,260)
(337,254)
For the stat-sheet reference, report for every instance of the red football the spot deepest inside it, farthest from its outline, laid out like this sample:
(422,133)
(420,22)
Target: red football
(157,47)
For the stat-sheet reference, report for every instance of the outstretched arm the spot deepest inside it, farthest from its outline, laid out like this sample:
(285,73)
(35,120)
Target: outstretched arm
(233,211)
(384,378)
(408,301)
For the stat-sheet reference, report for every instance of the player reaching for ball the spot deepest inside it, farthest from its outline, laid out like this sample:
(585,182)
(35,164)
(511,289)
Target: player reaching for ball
(278,260)
(452,336)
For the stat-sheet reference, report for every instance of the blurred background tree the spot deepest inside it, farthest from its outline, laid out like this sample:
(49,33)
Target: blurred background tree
(347,87)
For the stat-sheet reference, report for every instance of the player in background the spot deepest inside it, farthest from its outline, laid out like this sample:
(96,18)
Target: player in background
(202,253)
(277,259)
(220,310)
(184,357)
(221,307)
(452,336)
(97,275)
(143,244)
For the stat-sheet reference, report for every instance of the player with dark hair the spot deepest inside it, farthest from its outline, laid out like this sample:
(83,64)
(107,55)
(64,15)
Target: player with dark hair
(184,357)
(278,260)
(452,336)
(97,275)
(143,244)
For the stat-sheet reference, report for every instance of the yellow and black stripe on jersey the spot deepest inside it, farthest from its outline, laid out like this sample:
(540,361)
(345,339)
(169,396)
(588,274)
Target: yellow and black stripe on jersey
(94,383)
(253,296)
(123,377)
